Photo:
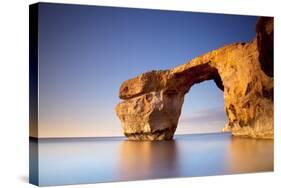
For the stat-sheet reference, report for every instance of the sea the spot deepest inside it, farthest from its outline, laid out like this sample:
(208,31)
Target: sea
(64,161)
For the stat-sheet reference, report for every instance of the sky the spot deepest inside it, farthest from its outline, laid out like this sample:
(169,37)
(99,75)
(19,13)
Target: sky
(86,52)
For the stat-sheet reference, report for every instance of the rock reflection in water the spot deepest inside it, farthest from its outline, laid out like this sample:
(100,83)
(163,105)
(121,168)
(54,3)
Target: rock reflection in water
(250,155)
(143,160)
(194,155)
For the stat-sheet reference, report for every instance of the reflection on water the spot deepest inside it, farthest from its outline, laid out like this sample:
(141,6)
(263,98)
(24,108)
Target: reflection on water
(90,160)
(248,155)
(142,160)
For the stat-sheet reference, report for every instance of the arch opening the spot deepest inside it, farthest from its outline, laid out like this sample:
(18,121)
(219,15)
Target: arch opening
(203,107)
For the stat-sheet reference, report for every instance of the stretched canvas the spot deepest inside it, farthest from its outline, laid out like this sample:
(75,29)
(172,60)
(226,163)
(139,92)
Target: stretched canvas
(121,94)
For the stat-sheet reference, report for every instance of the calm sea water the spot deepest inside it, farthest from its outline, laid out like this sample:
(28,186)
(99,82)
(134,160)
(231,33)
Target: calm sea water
(91,160)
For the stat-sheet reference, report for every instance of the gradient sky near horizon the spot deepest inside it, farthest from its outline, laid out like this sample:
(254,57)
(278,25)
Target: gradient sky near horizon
(86,52)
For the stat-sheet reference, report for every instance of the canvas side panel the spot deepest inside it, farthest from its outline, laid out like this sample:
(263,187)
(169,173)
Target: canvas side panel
(33,94)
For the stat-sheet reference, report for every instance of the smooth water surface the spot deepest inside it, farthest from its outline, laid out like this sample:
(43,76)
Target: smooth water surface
(91,160)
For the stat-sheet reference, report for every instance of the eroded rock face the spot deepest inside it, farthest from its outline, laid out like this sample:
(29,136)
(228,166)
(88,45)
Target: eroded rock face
(264,29)
(152,101)
(151,116)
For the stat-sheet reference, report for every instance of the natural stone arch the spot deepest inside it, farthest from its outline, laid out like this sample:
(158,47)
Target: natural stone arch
(152,101)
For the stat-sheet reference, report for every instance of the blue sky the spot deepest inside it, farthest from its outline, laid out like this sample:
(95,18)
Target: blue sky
(86,52)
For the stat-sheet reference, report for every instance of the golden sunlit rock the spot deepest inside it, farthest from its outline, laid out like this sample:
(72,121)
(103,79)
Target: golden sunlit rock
(152,101)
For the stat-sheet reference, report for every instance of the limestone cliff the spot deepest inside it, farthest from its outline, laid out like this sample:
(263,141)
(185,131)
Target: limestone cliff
(152,101)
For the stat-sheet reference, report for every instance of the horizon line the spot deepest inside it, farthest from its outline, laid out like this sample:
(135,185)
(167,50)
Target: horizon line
(71,137)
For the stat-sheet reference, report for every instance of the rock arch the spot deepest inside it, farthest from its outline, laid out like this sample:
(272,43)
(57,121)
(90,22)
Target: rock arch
(152,101)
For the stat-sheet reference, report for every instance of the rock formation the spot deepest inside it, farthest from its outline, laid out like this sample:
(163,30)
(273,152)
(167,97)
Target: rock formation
(264,29)
(152,101)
